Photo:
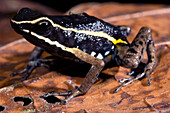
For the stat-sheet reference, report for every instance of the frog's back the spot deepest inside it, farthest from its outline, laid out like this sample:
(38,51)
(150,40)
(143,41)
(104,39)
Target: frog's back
(85,22)
(86,33)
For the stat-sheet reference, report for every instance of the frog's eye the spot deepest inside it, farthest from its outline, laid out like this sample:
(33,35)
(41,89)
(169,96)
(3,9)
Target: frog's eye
(44,23)
(43,27)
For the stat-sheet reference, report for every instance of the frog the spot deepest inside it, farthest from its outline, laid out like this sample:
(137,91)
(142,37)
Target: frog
(85,39)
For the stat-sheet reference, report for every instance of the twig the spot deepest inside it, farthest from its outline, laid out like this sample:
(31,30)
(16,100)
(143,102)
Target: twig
(138,14)
(162,43)
(12,43)
(149,105)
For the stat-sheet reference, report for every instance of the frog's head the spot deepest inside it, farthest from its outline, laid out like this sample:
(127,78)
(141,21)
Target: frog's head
(31,24)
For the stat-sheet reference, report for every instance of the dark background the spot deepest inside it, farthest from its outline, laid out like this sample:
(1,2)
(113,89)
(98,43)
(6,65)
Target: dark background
(65,5)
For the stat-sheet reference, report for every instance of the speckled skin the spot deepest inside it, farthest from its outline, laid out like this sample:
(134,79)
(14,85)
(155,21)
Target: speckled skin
(86,43)
(77,36)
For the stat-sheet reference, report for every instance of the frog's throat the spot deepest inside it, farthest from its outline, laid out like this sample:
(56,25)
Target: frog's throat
(92,33)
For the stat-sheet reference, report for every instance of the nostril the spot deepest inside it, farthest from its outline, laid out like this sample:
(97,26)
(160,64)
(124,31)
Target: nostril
(20,27)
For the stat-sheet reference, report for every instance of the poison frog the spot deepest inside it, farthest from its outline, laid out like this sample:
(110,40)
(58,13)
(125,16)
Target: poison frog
(85,38)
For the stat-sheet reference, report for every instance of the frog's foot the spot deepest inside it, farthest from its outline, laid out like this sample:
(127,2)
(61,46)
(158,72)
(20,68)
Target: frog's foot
(143,70)
(70,95)
(127,81)
(31,66)
(135,74)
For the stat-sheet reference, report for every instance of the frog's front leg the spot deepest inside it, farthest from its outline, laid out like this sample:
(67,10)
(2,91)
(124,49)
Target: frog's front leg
(34,62)
(132,57)
(89,80)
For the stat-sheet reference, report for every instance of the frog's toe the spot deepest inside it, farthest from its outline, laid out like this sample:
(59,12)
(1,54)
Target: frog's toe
(13,74)
(19,72)
(131,73)
(125,79)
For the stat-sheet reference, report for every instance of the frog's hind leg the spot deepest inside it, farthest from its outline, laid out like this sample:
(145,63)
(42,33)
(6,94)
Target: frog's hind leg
(132,59)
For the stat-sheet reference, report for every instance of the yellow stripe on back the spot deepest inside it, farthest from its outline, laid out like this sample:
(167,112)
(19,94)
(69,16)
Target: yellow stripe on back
(92,33)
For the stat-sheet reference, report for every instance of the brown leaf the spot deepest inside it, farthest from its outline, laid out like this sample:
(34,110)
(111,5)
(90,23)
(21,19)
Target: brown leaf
(136,97)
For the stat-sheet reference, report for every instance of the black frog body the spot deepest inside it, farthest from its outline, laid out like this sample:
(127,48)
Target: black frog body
(87,33)
(87,38)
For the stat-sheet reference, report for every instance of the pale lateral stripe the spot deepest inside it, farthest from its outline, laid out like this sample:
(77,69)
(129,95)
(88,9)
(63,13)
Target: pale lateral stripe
(92,33)
(25,30)
(50,42)
(71,50)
